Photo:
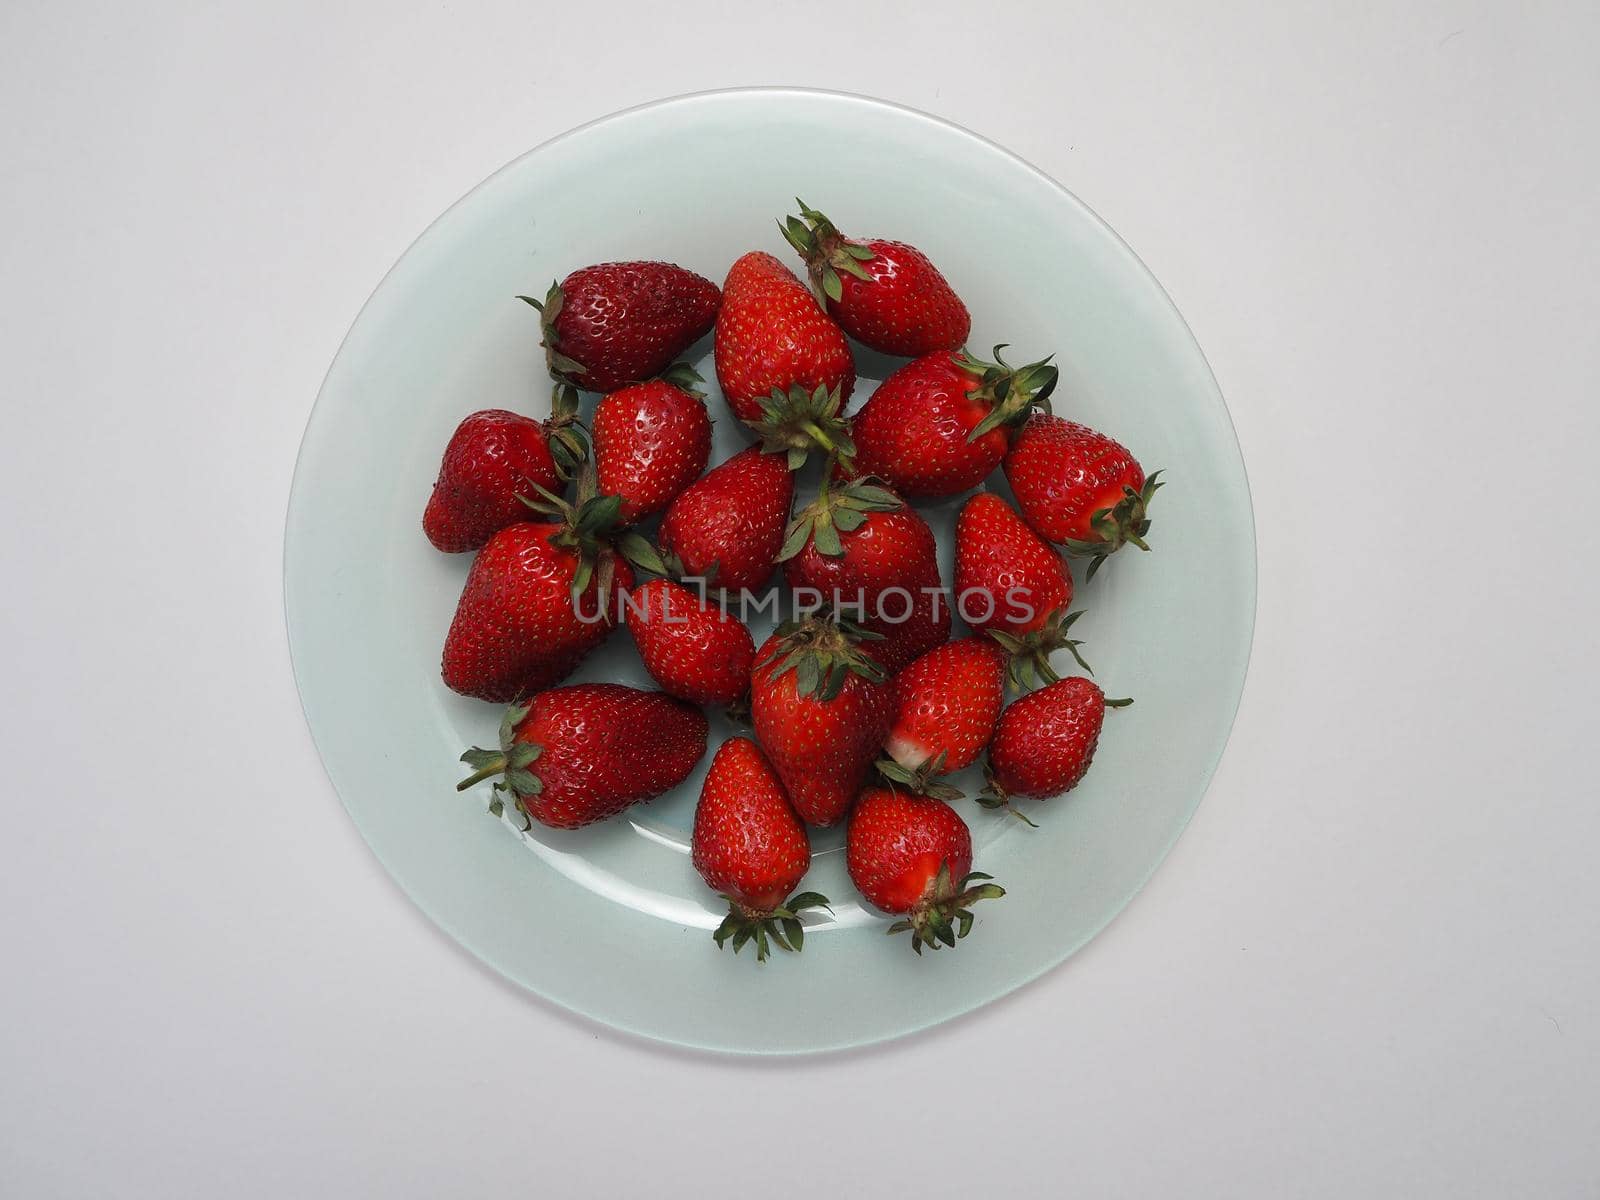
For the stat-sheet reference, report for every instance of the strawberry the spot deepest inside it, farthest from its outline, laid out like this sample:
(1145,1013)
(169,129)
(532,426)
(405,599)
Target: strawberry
(492,458)
(905,854)
(886,295)
(621,322)
(693,649)
(539,597)
(860,547)
(820,710)
(1045,741)
(942,423)
(749,845)
(947,703)
(729,526)
(651,440)
(576,755)
(1014,585)
(1079,488)
(773,337)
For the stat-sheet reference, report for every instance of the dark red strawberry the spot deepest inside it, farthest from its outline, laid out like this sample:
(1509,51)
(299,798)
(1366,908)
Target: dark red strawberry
(651,440)
(942,423)
(1014,585)
(872,558)
(622,322)
(693,649)
(947,703)
(1079,488)
(492,458)
(749,845)
(1046,740)
(576,755)
(912,855)
(540,596)
(773,337)
(729,526)
(886,295)
(820,710)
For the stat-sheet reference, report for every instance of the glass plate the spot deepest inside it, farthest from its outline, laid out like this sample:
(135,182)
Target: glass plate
(612,921)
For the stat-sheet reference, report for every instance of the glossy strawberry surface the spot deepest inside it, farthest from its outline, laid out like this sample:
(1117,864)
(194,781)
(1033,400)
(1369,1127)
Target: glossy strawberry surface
(493,457)
(691,647)
(732,521)
(517,628)
(772,334)
(651,440)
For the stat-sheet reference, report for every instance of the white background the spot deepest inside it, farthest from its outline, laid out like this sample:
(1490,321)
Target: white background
(1372,965)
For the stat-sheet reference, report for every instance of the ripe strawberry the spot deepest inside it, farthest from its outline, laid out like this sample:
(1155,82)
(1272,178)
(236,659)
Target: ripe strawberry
(905,854)
(1046,741)
(1079,488)
(729,526)
(886,295)
(693,649)
(492,458)
(749,845)
(947,703)
(820,710)
(942,423)
(651,440)
(866,552)
(576,755)
(539,597)
(772,336)
(618,323)
(1013,585)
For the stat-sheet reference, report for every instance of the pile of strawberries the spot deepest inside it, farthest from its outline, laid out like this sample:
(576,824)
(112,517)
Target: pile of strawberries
(860,703)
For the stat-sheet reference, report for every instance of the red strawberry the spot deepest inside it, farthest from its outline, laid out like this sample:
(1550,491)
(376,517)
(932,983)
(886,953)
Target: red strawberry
(492,458)
(772,337)
(729,526)
(1046,740)
(942,423)
(576,755)
(539,597)
(912,855)
(864,550)
(693,649)
(749,845)
(651,440)
(1079,488)
(820,710)
(621,322)
(1012,584)
(947,704)
(887,295)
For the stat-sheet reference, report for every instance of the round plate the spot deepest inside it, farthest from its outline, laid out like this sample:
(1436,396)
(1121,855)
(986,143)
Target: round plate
(612,921)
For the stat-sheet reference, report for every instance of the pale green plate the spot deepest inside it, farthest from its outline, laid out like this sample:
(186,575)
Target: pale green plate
(612,921)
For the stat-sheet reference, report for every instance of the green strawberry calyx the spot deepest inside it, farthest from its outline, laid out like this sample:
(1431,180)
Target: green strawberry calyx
(923,779)
(1029,666)
(836,510)
(944,914)
(823,653)
(569,446)
(569,370)
(511,762)
(800,421)
(1011,393)
(994,796)
(827,251)
(766,926)
(1124,522)
(592,525)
